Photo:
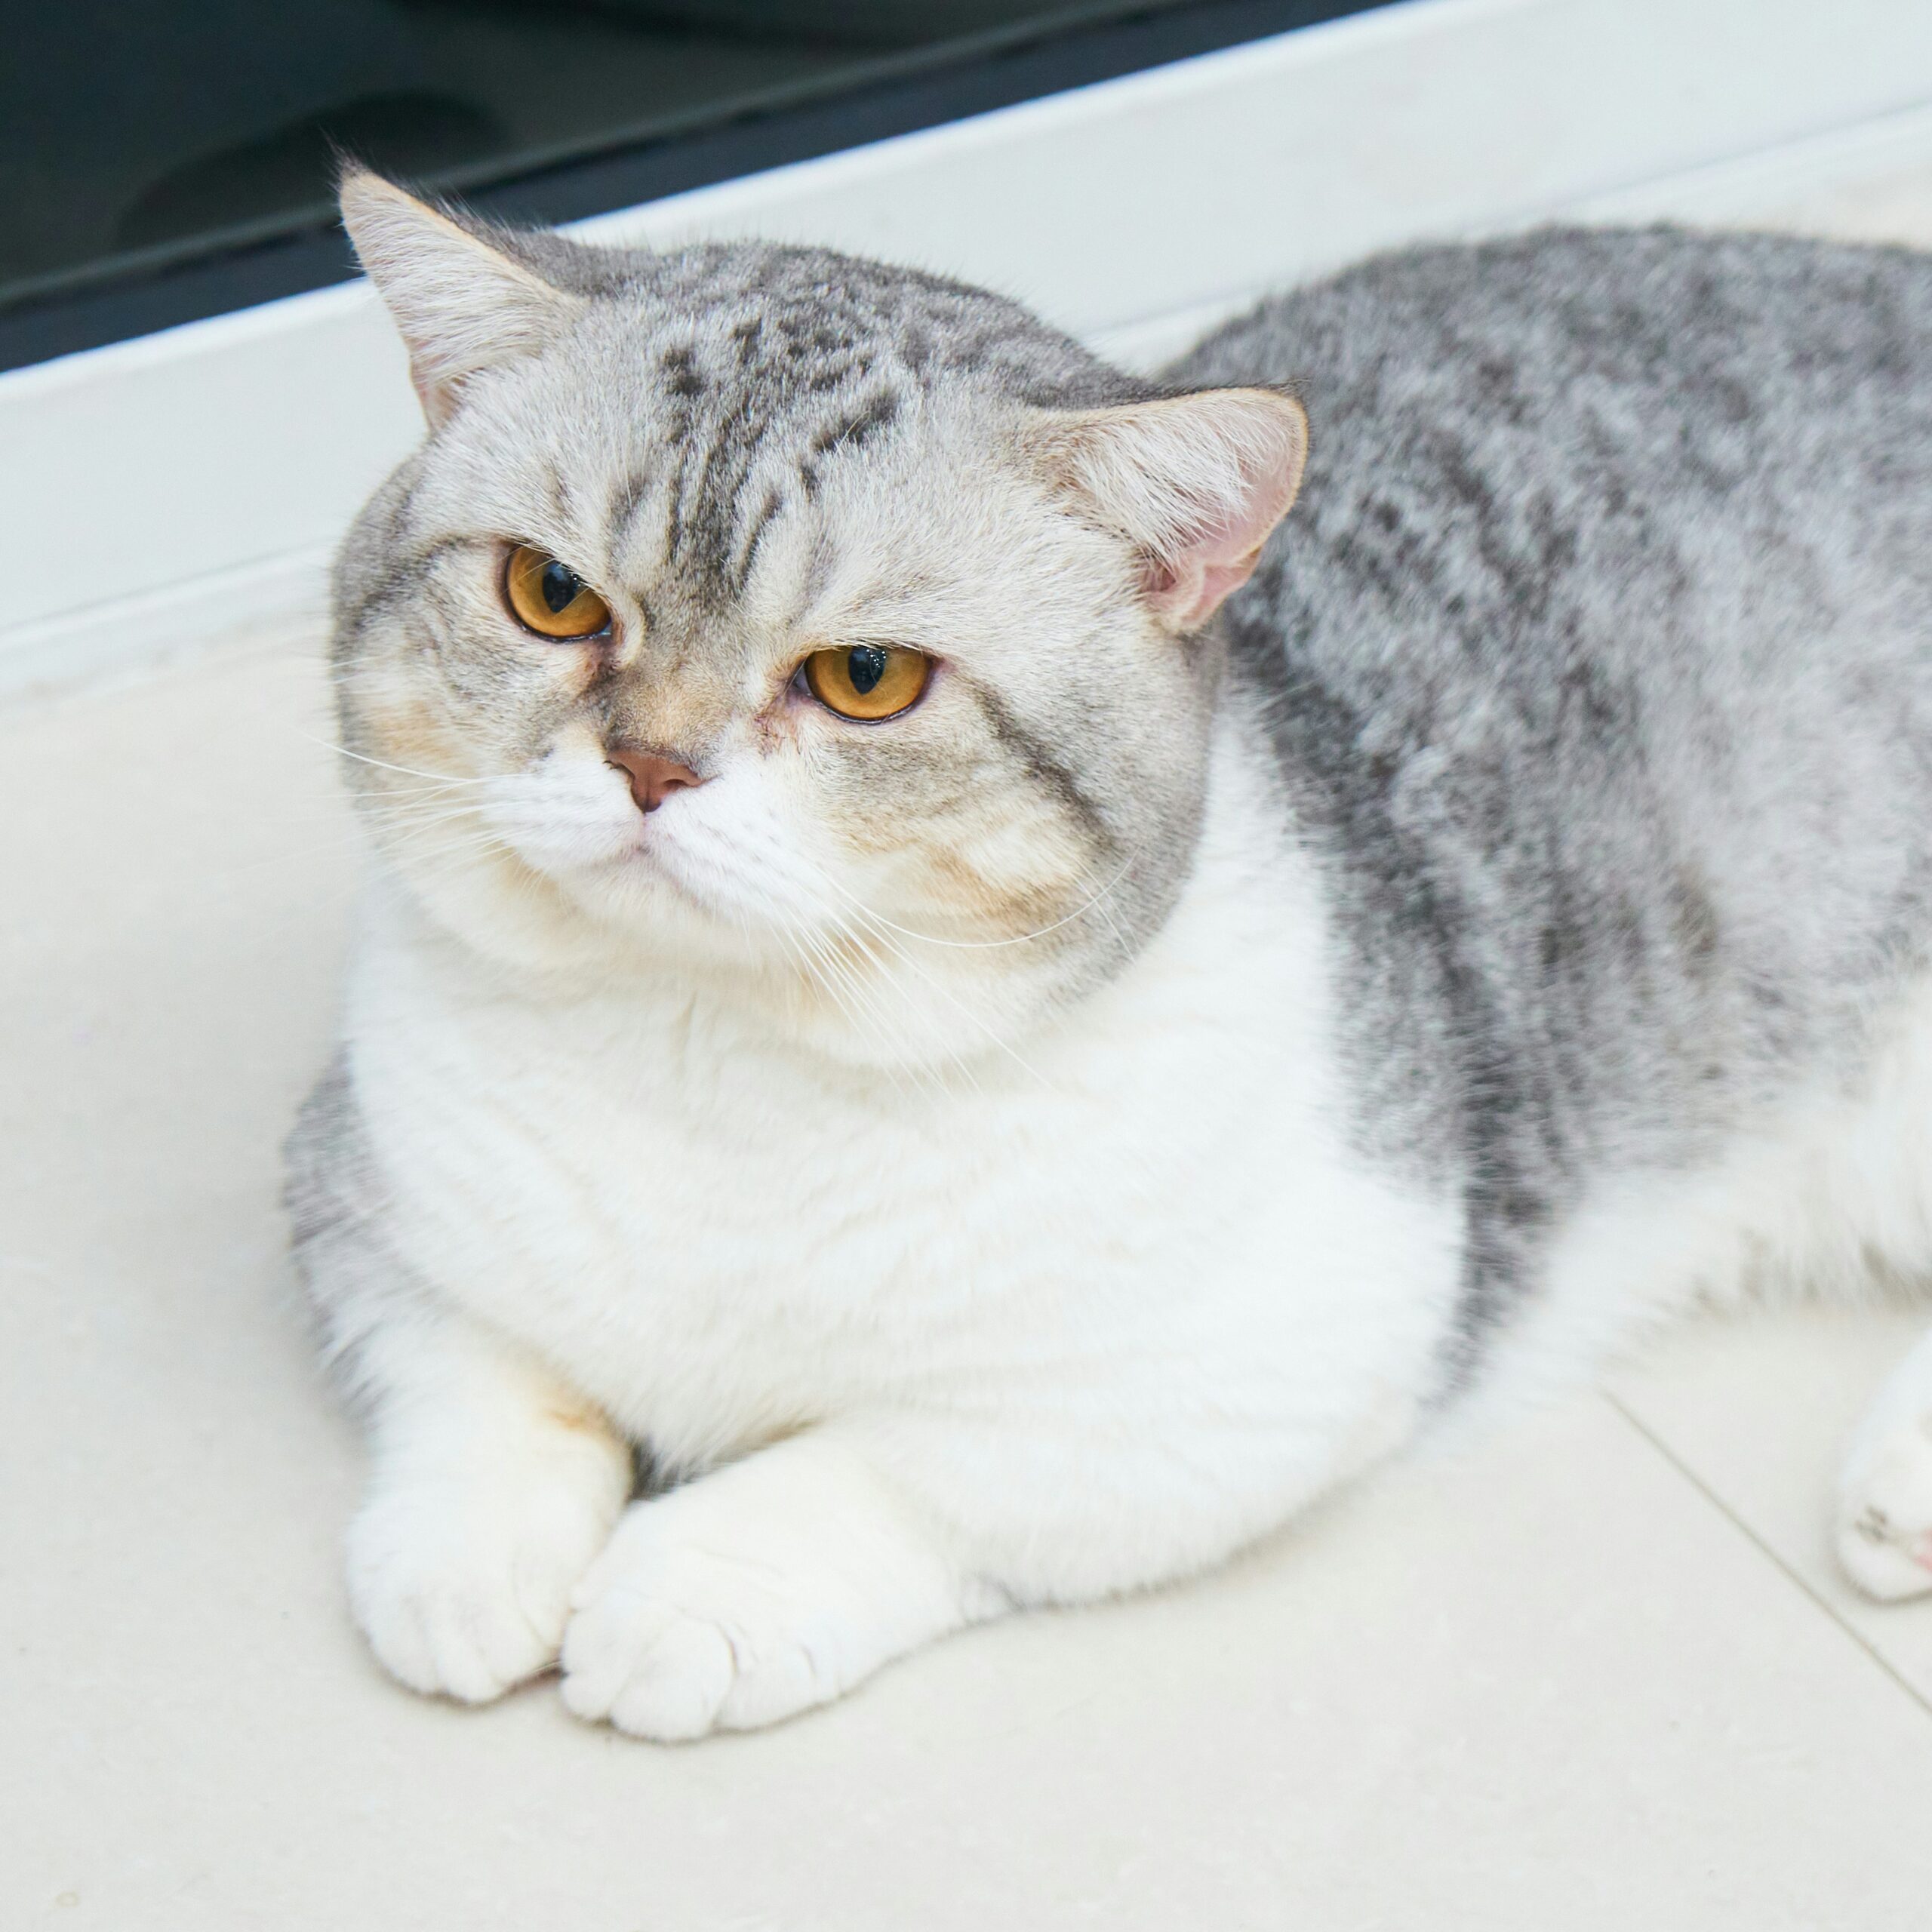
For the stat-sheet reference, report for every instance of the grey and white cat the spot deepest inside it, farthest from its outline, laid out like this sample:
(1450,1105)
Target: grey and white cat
(1006,1022)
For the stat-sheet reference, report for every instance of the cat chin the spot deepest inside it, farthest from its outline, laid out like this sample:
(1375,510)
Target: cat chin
(637,938)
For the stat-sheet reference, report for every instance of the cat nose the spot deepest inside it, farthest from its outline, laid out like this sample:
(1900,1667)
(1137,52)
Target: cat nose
(653,778)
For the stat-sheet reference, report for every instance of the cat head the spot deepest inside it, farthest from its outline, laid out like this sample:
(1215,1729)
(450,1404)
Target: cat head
(827,634)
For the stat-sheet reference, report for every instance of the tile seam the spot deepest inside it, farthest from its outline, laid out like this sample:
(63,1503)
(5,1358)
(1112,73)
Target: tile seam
(1791,1573)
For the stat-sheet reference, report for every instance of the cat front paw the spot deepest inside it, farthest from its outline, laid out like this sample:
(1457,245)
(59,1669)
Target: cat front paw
(462,1583)
(745,1599)
(1884,1528)
(670,1639)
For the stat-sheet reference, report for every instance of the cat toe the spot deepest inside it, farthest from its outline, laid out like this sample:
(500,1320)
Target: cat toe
(671,1640)
(647,1669)
(1885,1527)
(464,1593)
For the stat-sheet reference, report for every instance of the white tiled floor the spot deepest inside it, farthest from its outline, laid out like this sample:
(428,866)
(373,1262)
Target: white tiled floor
(1600,1674)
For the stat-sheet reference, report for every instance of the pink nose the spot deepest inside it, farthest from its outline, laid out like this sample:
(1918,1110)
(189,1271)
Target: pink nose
(653,778)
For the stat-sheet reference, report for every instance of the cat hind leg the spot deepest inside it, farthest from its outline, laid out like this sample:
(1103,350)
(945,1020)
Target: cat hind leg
(1884,1511)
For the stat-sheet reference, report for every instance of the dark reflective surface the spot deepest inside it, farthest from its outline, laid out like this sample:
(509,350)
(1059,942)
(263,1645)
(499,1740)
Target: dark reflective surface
(133,135)
(165,160)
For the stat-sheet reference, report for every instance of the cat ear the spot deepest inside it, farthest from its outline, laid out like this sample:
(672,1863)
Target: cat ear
(460,305)
(1196,482)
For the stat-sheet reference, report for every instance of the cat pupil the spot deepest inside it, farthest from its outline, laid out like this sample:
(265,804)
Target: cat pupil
(559,585)
(864,667)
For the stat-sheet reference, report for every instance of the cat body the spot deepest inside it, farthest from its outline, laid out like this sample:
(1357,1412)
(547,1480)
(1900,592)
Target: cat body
(1266,994)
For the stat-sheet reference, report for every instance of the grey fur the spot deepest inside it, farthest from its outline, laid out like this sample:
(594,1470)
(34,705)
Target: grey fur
(1597,653)
(335,1200)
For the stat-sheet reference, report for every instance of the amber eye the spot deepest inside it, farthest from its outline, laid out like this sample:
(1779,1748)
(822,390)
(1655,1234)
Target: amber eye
(867,680)
(550,598)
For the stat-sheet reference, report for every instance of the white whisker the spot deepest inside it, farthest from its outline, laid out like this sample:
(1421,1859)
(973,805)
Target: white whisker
(382,765)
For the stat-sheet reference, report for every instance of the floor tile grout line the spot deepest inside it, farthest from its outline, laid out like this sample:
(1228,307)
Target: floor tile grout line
(1790,1574)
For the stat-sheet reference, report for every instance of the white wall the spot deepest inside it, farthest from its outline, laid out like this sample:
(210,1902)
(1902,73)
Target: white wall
(187,486)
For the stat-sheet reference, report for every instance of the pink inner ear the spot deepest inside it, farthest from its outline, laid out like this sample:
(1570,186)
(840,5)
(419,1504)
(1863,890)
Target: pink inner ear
(1188,587)
(1189,590)
(1195,482)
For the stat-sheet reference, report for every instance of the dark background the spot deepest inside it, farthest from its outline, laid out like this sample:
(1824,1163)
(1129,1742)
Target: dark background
(163,161)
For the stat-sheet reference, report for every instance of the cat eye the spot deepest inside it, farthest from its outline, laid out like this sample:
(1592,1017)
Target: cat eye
(867,681)
(550,597)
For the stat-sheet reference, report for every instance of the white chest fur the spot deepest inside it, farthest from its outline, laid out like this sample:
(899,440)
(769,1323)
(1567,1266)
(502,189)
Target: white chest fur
(1156,1220)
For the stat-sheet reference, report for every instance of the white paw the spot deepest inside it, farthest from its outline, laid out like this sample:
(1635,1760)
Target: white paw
(462,1582)
(1885,1533)
(671,1639)
(732,1603)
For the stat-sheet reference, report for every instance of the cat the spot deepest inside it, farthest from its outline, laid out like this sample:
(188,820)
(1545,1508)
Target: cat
(996,1012)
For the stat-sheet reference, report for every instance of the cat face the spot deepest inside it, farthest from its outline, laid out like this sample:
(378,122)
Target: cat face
(824,633)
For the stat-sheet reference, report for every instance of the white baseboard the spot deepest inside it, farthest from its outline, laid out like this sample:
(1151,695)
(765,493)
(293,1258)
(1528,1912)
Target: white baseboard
(193,482)
(276,602)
